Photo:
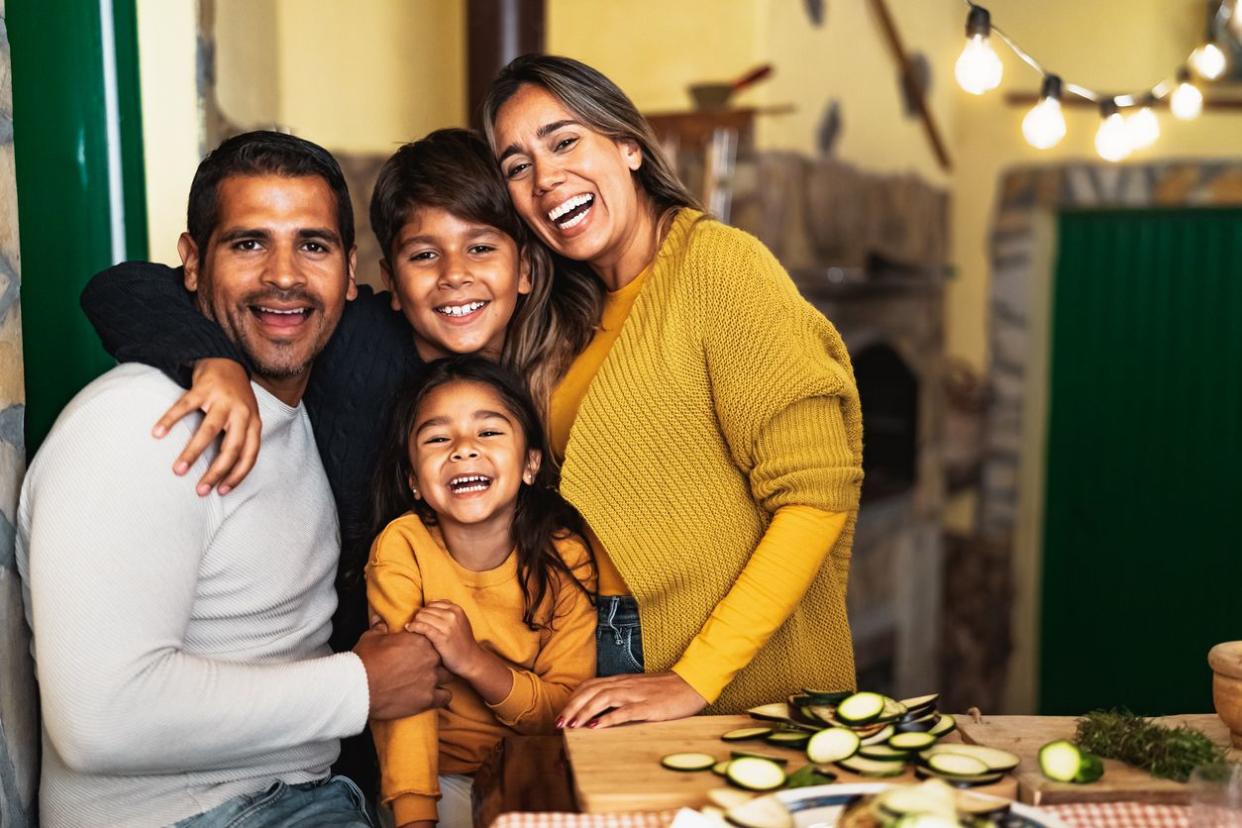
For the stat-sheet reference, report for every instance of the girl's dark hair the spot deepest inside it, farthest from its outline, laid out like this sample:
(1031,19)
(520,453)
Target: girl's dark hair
(542,515)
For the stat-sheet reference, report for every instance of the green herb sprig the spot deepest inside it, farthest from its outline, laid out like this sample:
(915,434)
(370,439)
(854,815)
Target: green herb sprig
(1167,752)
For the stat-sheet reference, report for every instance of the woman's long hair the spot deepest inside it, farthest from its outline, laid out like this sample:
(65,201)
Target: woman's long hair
(577,295)
(542,515)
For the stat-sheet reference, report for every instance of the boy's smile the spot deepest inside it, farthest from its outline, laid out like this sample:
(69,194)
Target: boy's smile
(457,282)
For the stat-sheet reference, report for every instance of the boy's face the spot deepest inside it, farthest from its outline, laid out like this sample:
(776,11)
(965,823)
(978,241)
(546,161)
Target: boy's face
(457,283)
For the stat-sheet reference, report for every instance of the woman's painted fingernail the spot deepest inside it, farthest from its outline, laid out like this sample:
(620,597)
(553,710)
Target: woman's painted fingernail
(181,468)
(593,723)
(572,723)
(560,722)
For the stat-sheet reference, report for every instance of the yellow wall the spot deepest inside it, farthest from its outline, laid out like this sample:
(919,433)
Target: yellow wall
(171,126)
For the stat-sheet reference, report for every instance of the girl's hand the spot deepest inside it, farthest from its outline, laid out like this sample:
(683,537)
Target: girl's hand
(222,391)
(445,624)
(654,697)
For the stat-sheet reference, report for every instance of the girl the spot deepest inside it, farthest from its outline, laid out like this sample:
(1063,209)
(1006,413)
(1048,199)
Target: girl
(710,432)
(478,555)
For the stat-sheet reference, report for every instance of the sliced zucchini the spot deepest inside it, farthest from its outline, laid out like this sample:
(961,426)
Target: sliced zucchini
(893,710)
(981,806)
(789,739)
(720,767)
(883,753)
(746,754)
(1001,761)
(744,733)
(880,736)
(860,708)
(827,696)
(912,741)
(761,812)
(956,764)
(688,761)
(821,713)
(959,781)
(755,774)
(832,745)
(804,716)
(778,712)
(922,724)
(932,797)
(871,767)
(727,798)
(1063,761)
(945,724)
(921,701)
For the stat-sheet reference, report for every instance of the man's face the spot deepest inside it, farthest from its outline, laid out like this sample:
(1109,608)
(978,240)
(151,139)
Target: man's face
(274,275)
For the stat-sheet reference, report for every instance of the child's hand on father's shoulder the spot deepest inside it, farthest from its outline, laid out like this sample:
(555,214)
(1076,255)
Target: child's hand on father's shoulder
(221,390)
(404,673)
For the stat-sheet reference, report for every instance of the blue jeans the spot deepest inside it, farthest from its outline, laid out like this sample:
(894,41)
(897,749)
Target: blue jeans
(335,800)
(618,637)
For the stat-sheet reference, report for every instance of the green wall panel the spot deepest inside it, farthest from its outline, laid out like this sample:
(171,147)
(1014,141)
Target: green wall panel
(1142,557)
(65,212)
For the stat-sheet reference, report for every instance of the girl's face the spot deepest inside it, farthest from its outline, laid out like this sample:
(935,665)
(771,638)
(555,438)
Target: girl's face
(457,282)
(573,186)
(468,455)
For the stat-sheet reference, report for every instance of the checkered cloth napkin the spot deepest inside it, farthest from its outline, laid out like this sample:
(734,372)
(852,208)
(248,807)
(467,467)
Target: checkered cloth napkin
(1080,815)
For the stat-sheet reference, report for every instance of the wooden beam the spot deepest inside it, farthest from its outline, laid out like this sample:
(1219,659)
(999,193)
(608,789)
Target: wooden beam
(497,31)
(914,89)
(1030,99)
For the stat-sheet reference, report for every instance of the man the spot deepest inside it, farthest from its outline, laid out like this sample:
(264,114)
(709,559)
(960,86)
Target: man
(181,641)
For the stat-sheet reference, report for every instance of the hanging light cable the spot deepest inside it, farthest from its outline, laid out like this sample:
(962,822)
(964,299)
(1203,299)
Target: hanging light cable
(979,68)
(1044,125)
(1112,141)
(1186,101)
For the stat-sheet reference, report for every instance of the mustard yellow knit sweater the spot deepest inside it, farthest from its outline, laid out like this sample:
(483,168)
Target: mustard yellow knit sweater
(661,460)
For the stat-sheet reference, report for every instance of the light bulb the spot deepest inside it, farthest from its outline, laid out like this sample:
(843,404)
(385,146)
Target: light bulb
(1186,100)
(1209,61)
(1112,141)
(979,68)
(1235,20)
(1144,127)
(1044,125)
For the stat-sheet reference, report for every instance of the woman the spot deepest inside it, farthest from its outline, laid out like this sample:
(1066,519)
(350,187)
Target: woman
(710,433)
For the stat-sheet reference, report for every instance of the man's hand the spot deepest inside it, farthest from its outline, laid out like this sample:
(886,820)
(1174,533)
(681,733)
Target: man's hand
(221,390)
(403,674)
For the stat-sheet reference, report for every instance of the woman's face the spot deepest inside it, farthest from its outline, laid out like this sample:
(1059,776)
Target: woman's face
(574,187)
(457,282)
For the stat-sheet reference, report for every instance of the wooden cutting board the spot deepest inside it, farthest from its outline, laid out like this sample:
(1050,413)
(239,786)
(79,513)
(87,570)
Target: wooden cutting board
(1025,735)
(618,769)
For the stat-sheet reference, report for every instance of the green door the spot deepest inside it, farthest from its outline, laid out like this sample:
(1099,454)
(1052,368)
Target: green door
(1142,565)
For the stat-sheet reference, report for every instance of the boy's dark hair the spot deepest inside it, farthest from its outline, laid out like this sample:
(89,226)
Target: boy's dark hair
(263,153)
(542,515)
(452,169)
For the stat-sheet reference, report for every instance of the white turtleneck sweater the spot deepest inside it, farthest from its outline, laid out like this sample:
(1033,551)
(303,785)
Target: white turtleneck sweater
(180,641)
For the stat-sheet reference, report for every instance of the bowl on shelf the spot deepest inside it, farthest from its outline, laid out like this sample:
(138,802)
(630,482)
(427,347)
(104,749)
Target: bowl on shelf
(1226,662)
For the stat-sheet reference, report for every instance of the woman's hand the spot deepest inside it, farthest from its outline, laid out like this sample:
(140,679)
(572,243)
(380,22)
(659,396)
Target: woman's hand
(654,697)
(445,624)
(221,390)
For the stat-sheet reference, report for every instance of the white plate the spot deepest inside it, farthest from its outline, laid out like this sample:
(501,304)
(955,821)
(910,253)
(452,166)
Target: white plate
(821,806)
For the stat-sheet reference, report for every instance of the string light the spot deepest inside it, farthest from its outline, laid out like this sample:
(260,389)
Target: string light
(979,68)
(1209,61)
(1186,101)
(1235,20)
(1044,125)
(1143,125)
(1112,141)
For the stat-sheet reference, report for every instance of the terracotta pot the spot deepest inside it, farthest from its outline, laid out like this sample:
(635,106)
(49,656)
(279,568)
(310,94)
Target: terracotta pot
(1226,662)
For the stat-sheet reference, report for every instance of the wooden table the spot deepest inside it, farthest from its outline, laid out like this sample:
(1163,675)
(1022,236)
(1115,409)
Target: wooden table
(596,771)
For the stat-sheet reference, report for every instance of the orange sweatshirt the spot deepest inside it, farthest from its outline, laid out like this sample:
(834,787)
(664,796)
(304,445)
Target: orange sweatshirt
(409,567)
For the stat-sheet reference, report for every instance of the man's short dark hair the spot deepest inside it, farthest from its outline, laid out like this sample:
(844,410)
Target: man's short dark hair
(263,153)
(452,169)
